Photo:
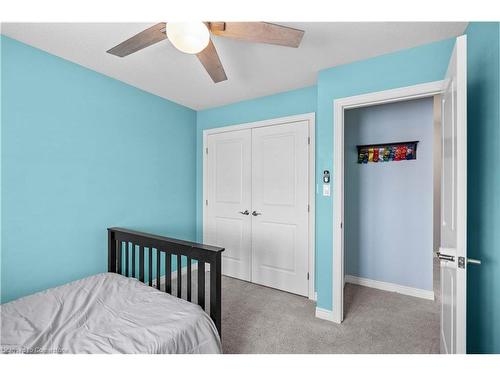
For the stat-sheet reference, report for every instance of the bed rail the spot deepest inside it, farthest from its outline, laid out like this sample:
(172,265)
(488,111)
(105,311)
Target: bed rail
(125,246)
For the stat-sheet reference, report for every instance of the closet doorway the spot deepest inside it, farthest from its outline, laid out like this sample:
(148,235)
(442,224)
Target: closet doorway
(389,157)
(452,252)
(258,190)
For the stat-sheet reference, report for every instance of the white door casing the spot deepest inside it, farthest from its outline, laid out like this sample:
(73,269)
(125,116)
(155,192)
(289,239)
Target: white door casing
(339,106)
(229,181)
(280,205)
(453,247)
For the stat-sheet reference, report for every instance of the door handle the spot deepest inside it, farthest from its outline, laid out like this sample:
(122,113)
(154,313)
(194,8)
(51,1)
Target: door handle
(473,261)
(255,213)
(449,258)
(461,262)
(244,212)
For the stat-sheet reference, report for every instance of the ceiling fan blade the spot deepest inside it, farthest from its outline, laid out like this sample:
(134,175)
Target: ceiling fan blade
(210,60)
(144,39)
(258,32)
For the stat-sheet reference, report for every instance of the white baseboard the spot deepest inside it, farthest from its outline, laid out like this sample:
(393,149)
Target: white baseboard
(325,314)
(194,267)
(390,287)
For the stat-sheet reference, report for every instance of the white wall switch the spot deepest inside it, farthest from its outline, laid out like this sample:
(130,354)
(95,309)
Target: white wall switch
(326,190)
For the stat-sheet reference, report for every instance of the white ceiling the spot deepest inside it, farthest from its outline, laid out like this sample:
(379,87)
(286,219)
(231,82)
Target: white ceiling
(253,70)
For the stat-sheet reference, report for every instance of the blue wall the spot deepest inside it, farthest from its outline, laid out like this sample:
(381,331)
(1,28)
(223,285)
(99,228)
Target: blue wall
(483,219)
(82,152)
(389,206)
(279,105)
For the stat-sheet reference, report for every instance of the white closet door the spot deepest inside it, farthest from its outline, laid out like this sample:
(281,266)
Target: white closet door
(229,184)
(280,206)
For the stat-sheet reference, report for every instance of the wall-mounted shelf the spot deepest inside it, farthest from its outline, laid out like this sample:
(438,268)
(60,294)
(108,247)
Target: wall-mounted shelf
(385,152)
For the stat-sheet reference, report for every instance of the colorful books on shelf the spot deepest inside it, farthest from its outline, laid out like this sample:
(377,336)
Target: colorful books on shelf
(379,153)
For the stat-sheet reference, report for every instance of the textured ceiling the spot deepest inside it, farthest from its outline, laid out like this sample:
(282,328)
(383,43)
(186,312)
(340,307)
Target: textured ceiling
(253,70)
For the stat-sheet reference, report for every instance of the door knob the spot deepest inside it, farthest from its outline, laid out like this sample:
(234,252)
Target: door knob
(244,212)
(473,261)
(255,213)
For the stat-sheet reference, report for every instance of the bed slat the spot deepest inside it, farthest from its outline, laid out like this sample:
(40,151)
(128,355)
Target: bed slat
(179,276)
(201,284)
(150,266)
(168,273)
(119,256)
(188,286)
(127,259)
(141,263)
(133,259)
(158,262)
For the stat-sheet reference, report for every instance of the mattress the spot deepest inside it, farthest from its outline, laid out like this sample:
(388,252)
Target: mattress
(106,313)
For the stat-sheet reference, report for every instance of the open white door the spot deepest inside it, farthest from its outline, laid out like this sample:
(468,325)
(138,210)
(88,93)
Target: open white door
(453,247)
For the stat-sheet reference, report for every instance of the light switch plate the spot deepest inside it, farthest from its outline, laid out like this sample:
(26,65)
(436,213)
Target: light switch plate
(326,190)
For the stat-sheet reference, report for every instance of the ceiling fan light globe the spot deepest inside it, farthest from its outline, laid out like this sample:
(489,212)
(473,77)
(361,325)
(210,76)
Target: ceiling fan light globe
(188,37)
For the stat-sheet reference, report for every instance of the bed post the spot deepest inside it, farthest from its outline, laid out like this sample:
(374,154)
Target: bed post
(111,251)
(216,292)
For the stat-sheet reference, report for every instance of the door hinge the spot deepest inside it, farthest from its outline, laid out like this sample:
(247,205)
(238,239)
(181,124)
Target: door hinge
(308,140)
(206,150)
(308,208)
(206,202)
(308,276)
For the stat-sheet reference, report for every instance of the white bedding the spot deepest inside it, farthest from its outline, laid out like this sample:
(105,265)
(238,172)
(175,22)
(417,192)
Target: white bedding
(106,313)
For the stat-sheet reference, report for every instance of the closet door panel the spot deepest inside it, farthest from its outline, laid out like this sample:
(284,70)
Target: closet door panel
(280,205)
(229,184)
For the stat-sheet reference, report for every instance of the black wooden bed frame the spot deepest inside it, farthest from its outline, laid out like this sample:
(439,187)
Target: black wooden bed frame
(171,248)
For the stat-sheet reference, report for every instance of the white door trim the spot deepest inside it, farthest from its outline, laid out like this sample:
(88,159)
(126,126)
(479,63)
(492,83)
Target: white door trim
(339,106)
(311,118)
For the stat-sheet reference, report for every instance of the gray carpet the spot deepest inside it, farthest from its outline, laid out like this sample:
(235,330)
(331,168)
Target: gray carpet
(256,319)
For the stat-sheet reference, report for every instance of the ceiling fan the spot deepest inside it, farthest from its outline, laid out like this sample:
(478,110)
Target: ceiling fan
(194,38)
